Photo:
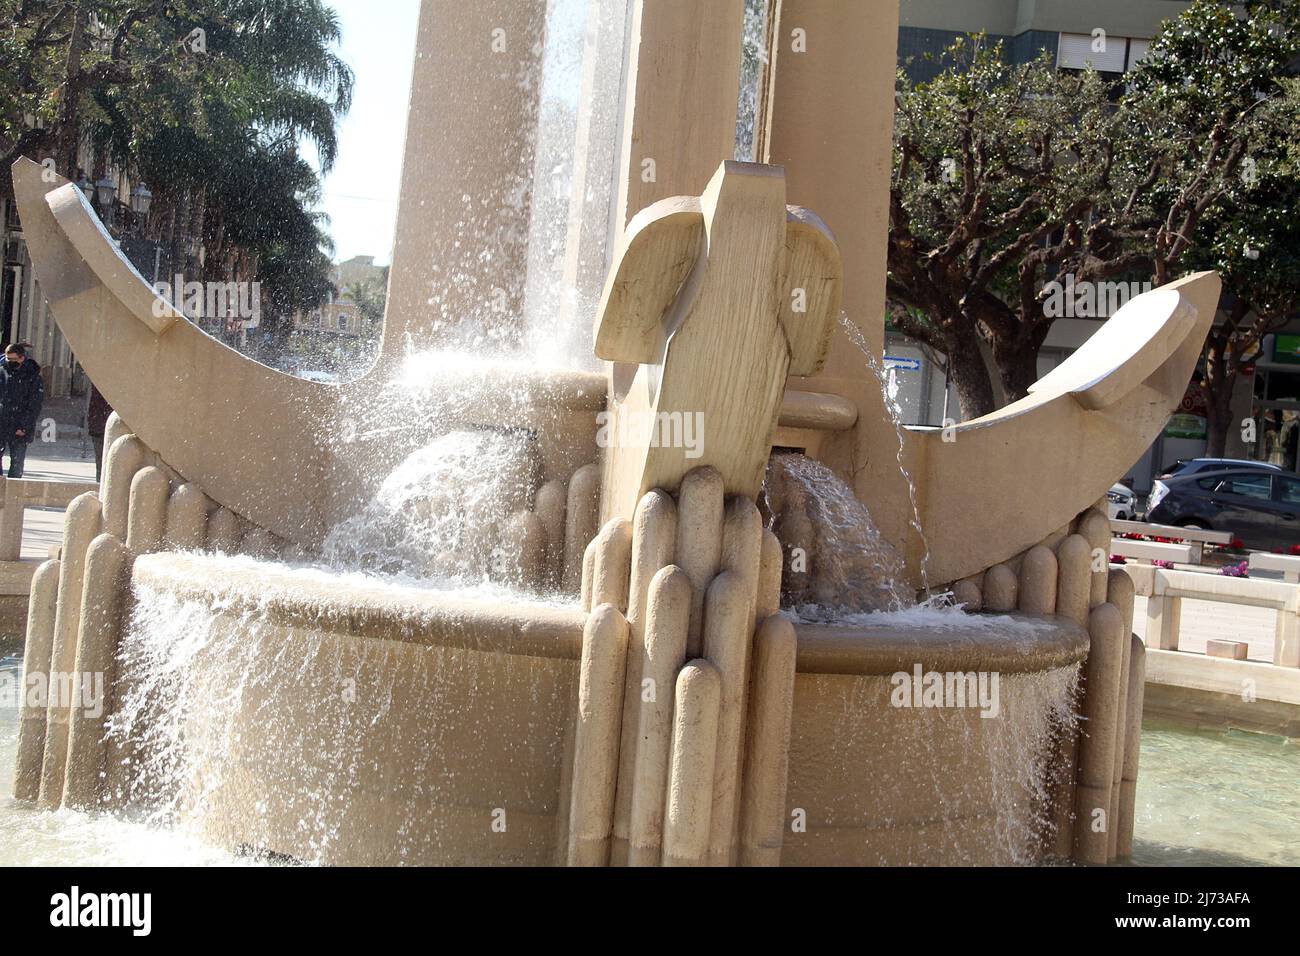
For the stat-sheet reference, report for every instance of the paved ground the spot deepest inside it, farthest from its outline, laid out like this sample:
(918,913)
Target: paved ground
(70,457)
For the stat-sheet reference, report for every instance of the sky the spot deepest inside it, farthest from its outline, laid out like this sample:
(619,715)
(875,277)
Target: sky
(361,190)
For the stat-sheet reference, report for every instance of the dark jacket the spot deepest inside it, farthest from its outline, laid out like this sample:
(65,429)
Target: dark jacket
(22,391)
(97,412)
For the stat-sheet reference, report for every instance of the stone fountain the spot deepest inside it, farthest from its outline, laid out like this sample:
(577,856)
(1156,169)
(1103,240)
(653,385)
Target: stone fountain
(635,693)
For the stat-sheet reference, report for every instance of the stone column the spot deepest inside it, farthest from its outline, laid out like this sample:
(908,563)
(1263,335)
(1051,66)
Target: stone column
(37,652)
(462,222)
(683,82)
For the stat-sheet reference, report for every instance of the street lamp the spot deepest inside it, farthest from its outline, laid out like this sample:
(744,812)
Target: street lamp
(106,189)
(141,198)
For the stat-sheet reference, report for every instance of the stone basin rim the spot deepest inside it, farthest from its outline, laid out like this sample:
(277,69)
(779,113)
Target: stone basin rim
(535,629)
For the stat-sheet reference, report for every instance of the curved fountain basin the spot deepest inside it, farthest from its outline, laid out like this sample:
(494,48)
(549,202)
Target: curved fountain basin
(889,785)
(339,721)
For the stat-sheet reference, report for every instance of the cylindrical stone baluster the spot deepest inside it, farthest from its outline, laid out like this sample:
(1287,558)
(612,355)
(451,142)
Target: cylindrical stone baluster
(699,542)
(767,758)
(1095,526)
(1038,574)
(121,461)
(613,567)
(1000,589)
(726,645)
(588,575)
(81,523)
(742,545)
(224,531)
(595,752)
(1073,593)
(147,514)
(967,594)
(1074,579)
(1134,693)
(582,512)
(37,654)
(1097,742)
(187,519)
(654,535)
(549,505)
(1120,592)
(107,569)
(689,799)
(770,567)
(114,428)
(668,617)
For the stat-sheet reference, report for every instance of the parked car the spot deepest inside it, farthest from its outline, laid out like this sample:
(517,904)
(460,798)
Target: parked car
(1259,506)
(1190,466)
(1121,503)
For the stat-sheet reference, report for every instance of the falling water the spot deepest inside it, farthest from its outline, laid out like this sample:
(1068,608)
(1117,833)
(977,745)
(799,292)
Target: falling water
(952,759)
(836,558)
(435,518)
(366,732)
(889,387)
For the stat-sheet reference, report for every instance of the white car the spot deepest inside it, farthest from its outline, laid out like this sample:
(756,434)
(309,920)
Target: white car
(1121,503)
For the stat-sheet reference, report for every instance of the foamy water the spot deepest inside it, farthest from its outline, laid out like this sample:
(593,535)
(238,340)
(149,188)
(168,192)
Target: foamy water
(436,517)
(32,837)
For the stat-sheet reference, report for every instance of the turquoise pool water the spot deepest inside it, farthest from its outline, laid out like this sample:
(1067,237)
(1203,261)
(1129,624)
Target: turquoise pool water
(1217,798)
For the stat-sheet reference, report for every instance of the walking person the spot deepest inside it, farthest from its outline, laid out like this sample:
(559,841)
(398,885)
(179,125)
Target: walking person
(22,392)
(97,412)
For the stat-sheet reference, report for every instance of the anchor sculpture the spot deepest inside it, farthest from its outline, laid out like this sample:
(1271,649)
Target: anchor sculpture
(681,259)
(718,299)
(265,445)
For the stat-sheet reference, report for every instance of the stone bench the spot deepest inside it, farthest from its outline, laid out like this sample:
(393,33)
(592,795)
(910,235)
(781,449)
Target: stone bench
(1289,565)
(1195,538)
(19,494)
(1165,591)
(1153,550)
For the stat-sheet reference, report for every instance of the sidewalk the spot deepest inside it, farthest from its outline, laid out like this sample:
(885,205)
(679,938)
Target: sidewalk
(70,458)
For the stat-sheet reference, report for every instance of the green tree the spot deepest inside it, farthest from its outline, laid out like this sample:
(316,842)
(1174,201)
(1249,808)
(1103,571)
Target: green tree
(1051,174)
(991,161)
(207,100)
(1252,238)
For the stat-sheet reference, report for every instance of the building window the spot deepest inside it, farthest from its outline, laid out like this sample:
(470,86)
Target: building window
(1104,53)
(343,322)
